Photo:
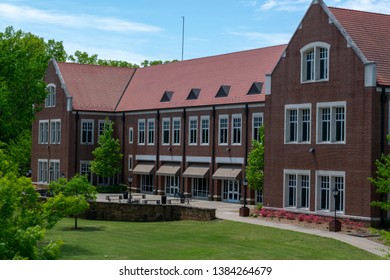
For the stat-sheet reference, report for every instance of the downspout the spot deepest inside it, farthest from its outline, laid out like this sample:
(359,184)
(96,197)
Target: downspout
(246,112)
(157,149)
(213,155)
(184,147)
(123,146)
(76,143)
(382,197)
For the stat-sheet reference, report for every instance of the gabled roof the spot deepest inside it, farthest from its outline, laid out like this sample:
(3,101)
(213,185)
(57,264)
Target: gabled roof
(239,70)
(370,33)
(92,87)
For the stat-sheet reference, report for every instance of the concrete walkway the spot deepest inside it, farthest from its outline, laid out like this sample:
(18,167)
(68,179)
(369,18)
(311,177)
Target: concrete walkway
(230,211)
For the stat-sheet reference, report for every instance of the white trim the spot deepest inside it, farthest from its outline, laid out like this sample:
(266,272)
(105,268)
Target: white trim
(130,163)
(141,113)
(236,116)
(224,116)
(144,131)
(192,118)
(174,119)
(268,84)
(198,159)
(297,173)
(331,175)
(131,135)
(298,108)
(233,160)
(256,105)
(171,158)
(163,130)
(145,157)
(331,105)
(96,113)
(197,109)
(44,172)
(148,140)
(256,115)
(40,138)
(314,46)
(370,74)
(169,111)
(230,107)
(82,121)
(201,130)
(56,132)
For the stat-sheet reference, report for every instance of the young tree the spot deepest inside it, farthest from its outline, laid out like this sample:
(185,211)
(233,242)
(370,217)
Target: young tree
(107,156)
(71,197)
(255,169)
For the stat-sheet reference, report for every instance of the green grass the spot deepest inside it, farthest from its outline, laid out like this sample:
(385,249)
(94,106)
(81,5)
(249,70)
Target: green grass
(191,240)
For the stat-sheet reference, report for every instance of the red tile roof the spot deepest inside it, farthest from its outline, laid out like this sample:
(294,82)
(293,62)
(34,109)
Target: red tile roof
(95,88)
(371,34)
(238,70)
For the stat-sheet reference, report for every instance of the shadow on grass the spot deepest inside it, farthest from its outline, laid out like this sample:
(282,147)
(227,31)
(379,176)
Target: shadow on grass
(83,229)
(68,251)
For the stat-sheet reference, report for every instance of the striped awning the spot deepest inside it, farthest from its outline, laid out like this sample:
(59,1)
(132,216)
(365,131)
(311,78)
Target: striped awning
(196,171)
(227,172)
(168,169)
(145,168)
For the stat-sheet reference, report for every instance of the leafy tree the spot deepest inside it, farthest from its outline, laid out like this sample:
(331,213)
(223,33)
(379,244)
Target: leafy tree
(56,50)
(71,197)
(23,218)
(107,156)
(83,58)
(19,150)
(255,169)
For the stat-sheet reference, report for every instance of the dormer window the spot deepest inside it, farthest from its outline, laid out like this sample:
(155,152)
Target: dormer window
(315,62)
(50,100)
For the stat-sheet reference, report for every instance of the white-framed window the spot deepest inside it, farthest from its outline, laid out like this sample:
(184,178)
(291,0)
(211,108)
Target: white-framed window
(200,188)
(205,130)
(223,130)
(315,62)
(193,129)
(50,100)
(85,169)
(297,123)
(43,136)
(43,170)
(141,132)
(172,185)
(331,127)
(55,131)
(54,169)
(130,162)
(87,127)
(166,131)
(327,181)
(236,129)
(151,131)
(297,188)
(176,125)
(131,135)
(147,183)
(257,122)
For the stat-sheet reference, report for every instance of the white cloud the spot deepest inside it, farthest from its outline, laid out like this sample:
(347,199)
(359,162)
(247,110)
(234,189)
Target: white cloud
(264,39)
(28,14)
(377,6)
(285,5)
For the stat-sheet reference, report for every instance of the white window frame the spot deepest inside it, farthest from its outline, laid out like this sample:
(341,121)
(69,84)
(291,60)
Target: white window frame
(55,131)
(43,171)
(43,132)
(299,138)
(192,130)
(130,163)
(297,204)
(315,76)
(165,130)
(256,125)
(204,129)
(151,132)
(141,132)
(333,106)
(332,175)
(131,135)
(236,129)
(85,169)
(175,130)
(50,100)
(54,170)
(220,118)
(86,121)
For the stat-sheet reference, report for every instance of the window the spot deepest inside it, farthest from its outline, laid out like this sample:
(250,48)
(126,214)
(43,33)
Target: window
(327,182)
(257,122)
(298,123)
(172,185)
(87,131)
(200,188)
(55,131)
(50,100)
(223,130)
(130,163)
(150,131)
(176,131)
(236,129)
(166,131)
(147,183)
(43,137)
(141,132)
(193,126)
(42,170)
(331,122)
(54,170)
(131,135)
(315,62)
(205,130)
(85,169)
(297,188)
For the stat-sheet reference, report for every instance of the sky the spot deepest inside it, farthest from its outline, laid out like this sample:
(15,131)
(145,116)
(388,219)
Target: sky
(138,30)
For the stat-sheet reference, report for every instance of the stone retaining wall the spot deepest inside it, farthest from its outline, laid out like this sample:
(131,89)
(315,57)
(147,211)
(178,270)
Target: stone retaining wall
(146,213)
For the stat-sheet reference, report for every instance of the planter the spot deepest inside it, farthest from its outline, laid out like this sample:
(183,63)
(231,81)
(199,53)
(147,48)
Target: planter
(335,225)
(244,212)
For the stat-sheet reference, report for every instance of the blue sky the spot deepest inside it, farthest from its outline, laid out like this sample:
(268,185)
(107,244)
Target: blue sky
(135,30)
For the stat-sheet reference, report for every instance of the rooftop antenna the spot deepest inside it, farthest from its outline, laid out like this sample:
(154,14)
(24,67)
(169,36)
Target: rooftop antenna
(182,41)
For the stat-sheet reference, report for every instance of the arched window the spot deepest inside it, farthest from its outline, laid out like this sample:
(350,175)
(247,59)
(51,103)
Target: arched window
(315,62)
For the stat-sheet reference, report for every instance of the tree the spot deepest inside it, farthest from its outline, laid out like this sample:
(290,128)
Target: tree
(23,218)
(71,197)
(255,169)
(107,156)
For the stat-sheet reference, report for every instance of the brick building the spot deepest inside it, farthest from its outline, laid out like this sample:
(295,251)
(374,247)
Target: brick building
(328,114)
(184,127)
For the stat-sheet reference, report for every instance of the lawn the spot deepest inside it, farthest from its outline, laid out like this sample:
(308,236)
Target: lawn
(192,240)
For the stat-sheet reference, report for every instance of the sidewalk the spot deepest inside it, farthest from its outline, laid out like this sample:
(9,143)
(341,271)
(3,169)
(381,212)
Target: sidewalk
(230,211)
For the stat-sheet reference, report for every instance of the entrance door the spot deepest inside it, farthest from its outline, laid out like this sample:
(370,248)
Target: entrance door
(231,191)
(172,185)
